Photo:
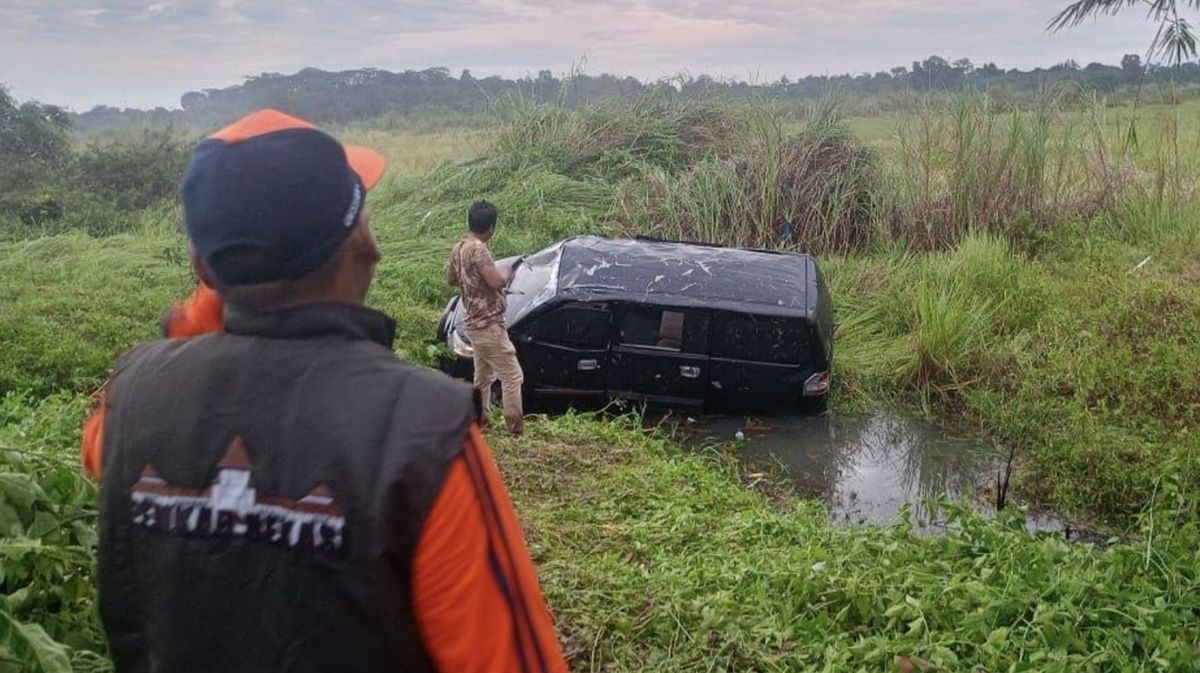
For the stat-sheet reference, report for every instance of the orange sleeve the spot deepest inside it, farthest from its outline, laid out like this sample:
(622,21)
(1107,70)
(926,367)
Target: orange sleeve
(476,596)
(200,313)
(93,438)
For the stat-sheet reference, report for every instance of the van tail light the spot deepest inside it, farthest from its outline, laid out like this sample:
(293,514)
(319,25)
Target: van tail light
(817,384)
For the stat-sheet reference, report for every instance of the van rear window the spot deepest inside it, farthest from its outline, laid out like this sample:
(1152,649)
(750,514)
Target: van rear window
(758,339)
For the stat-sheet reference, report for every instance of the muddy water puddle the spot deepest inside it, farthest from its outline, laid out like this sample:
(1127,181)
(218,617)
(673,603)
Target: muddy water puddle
(867,466)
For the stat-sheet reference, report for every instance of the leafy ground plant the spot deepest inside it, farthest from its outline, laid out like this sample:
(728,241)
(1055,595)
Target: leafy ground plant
(47,540)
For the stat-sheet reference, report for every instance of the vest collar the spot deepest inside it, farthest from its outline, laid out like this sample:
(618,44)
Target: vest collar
(310,321)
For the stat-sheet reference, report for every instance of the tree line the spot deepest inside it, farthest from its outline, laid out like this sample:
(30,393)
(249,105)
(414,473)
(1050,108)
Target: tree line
(49,183)
(355,95)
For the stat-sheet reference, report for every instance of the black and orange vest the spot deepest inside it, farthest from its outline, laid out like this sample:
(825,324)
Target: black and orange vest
(262,494)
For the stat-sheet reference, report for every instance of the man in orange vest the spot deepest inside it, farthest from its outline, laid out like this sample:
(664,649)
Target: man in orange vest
(278,490)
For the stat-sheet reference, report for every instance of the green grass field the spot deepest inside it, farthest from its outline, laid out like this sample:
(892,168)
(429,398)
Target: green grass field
(1044,332)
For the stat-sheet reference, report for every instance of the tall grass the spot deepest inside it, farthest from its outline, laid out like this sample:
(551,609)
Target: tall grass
(968,167)
(1157,166)
(757,173)
(773,189)
(930,322)
(708,170)
(745,174)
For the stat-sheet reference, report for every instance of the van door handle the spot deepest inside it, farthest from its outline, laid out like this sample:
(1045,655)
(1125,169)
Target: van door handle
(589,365)
(689,372)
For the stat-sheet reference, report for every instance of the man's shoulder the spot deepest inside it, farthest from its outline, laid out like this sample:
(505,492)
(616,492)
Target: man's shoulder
(414,384)
(474,248)
(384,362)
(348,366)
(145,352)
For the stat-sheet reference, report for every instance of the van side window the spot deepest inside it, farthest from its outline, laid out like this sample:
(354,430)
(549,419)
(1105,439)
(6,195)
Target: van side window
(664,329)
(574,327)
(759,339)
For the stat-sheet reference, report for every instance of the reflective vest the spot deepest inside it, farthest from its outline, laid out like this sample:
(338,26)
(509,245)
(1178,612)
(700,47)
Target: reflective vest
(262,495)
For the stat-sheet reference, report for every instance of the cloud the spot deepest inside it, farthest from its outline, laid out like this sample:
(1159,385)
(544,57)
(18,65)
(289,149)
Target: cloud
(131,52)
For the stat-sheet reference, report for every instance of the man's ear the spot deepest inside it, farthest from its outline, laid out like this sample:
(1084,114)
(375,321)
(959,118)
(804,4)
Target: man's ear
(201,270)
(363,240)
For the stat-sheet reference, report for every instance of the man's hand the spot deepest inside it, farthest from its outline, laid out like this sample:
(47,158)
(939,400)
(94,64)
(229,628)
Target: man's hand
(495,277)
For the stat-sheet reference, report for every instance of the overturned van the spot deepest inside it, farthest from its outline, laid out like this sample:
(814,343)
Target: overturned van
(703,328)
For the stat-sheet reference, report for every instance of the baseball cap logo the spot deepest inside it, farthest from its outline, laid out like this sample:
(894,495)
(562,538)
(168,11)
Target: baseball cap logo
(355,205)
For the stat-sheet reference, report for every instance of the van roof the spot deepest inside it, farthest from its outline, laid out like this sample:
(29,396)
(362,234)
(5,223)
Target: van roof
(590,268)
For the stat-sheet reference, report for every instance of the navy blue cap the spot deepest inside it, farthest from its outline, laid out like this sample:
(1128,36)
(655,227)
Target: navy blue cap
(272,197)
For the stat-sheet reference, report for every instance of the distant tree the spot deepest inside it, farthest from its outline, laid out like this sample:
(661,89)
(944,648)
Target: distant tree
(1131,64)
(35,152)
(1175,41)
(32,132)
(546,86)
(936,72)
(964,65)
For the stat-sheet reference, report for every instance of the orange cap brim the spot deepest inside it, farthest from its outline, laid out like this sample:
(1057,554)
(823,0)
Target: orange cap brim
(368,163)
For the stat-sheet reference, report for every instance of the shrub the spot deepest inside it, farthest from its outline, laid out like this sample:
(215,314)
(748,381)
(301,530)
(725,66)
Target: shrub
(135,171)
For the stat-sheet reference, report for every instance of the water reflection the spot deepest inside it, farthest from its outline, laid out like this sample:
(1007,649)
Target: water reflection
(867,466)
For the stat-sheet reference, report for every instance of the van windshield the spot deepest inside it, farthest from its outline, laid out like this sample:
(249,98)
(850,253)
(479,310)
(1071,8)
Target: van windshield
(530,285)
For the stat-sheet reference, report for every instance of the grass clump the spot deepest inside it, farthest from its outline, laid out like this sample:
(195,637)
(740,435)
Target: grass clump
(705,170)
(926,322)
(772,189)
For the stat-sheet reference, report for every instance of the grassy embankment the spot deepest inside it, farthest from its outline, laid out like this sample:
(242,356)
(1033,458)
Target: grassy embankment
(1026,321)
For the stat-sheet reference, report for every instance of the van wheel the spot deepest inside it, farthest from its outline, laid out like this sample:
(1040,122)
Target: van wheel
(815,405)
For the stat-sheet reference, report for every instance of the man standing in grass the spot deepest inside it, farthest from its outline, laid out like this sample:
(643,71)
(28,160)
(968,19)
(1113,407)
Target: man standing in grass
(279,492)
(472,270)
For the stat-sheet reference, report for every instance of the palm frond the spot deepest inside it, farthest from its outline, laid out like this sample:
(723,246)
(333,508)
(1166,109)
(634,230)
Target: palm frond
(1175,41)
(1081,10)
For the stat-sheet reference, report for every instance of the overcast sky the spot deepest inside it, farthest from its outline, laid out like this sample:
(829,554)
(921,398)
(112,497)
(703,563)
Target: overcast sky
(143,54)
